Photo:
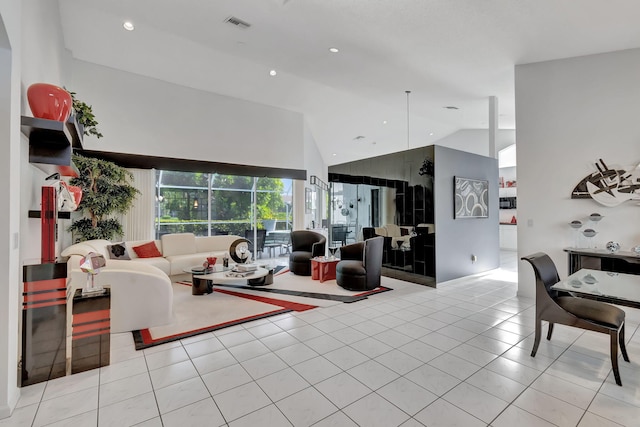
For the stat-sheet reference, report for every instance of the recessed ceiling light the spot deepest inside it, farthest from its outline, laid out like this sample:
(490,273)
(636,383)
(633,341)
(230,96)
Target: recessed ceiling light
(430,133)
(384,122)
(334,154)
(128,25)
(334,50)
(451,107)
(273,73)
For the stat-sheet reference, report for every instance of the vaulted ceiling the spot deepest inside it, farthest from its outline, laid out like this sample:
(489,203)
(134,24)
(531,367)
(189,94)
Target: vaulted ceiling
(448,53)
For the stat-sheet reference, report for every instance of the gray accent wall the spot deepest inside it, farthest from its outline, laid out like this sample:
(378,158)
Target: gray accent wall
(458,239)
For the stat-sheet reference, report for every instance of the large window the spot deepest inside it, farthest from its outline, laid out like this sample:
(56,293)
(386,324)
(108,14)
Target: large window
(209,204)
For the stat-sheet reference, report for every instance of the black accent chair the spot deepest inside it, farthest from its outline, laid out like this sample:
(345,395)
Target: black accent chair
(360,267)
(562,308)
(305,245)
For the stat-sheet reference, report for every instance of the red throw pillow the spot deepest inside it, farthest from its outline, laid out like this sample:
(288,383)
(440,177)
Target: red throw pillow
(148,250)
(404,231)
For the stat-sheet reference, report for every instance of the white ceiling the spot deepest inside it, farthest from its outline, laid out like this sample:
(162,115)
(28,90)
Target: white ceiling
(446,52)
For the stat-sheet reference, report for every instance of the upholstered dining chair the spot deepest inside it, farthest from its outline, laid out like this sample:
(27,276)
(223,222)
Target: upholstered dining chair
(261,235)
(562,308)
(305,245)
(360,265)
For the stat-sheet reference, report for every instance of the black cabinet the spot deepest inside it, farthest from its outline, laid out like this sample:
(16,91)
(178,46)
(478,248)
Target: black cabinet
(44,322)
(91,328)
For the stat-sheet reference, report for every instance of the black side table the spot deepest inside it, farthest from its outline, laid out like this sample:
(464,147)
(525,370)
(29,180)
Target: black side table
(91,331)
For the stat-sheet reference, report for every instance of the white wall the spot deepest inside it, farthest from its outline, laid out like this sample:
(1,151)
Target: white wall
(314,165)
(569,114)
(476,141)
(42,61)
(142,115)
(10,51)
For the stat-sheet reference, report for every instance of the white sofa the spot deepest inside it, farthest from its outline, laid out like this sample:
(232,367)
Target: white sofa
(141,293)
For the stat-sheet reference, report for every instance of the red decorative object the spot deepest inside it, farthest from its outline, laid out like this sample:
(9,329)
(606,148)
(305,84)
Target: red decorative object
(49,218)
(77,193)
(49,102)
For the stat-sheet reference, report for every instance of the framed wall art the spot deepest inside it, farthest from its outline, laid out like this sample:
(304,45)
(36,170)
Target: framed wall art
(471,198)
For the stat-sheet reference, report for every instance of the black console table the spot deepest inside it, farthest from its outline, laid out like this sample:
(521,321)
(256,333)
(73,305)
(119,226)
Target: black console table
(602,259)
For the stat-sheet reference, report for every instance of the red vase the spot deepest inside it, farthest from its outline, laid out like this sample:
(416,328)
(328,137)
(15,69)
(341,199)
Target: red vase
(77,193)
(49,102)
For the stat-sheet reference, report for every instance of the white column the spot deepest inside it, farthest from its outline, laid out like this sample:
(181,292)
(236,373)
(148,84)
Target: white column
(298,205)
(493,125)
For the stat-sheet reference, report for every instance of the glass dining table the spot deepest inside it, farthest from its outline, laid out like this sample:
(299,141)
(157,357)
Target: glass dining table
(607,286)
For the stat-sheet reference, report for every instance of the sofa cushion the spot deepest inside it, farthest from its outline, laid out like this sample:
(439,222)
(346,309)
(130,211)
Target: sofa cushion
(392,230)
(178,244)
(381,231)
(148,250)
(214,243)
(131,243)
(99,246)
(80,249)
(158,262)
(118,251)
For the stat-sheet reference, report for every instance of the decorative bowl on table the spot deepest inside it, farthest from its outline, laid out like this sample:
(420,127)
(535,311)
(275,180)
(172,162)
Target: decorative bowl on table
(613,246)
(575,283)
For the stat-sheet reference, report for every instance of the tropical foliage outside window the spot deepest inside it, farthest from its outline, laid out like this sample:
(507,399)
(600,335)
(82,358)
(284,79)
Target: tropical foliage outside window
(220,204)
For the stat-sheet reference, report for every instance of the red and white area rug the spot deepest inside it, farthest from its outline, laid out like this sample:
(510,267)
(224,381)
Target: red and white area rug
(195,315)
(231,305)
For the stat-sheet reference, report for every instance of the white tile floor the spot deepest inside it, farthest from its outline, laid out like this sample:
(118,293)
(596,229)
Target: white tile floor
(455,356)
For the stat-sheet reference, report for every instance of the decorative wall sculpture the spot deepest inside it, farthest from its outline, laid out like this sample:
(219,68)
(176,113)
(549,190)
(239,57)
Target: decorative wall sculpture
(471,198)
(609,186)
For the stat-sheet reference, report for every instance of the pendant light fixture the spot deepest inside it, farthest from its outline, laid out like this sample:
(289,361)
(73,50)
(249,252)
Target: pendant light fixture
(407,92)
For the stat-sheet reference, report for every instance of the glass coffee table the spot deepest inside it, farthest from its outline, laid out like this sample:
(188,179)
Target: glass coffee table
(202,280)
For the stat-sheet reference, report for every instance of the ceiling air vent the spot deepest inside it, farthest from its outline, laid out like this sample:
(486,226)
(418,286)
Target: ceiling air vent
(237,22)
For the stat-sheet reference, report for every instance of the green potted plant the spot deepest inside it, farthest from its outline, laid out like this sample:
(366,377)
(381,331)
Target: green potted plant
(84,116)
(106,190)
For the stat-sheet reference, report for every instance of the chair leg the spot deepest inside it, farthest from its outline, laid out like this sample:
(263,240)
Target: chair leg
(614,356)
(550,331)
(536,341)
(623,348)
